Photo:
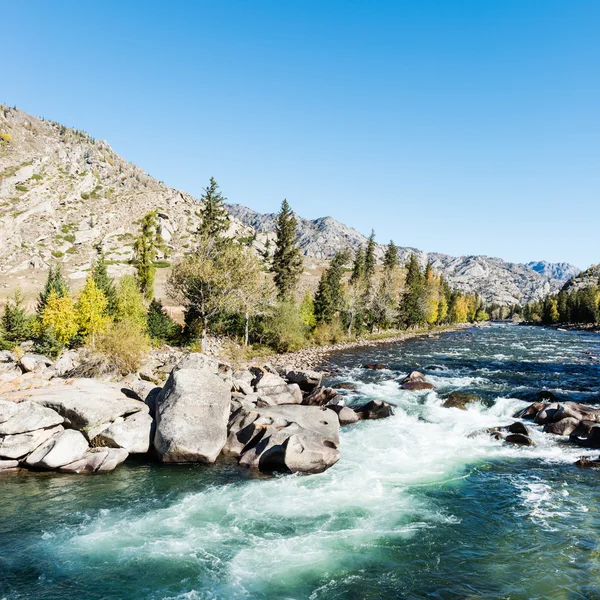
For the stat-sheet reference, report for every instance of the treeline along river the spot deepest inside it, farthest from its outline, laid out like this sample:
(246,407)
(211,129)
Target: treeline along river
(423,504)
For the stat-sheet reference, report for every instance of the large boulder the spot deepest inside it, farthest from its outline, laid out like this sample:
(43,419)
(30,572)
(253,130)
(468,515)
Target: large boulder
(133,433)
(272,396)
(192,412)
(21,444)
(416,381)
(62,448)
(292,439)
(27,416)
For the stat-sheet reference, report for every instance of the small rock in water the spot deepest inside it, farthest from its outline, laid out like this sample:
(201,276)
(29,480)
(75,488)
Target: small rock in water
(518,427)
(588,463)
(460,400)
(376,367)
(350,387)
(519,439)
(416,381)
(375,409)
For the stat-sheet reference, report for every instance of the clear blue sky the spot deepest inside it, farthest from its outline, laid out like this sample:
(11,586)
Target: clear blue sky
(465,127)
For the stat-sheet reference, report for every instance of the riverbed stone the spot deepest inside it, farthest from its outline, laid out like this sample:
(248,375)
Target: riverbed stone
(8,465)
(321,396)
(565,426)
(519,439)
(192,413)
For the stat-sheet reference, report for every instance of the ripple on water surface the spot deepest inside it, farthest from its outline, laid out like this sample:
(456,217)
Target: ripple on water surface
(420,505)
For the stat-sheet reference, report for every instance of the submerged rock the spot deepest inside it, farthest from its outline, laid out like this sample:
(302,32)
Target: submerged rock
(376,367)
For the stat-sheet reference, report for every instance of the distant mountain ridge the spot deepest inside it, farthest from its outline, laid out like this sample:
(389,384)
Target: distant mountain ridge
(493,278)
(62,194)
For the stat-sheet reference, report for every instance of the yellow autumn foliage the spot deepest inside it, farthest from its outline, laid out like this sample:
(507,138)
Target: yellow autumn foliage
(91,309)
(60,315)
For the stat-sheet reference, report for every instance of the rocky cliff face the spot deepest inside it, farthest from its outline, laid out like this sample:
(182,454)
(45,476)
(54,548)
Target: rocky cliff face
(62,193)
(588,278)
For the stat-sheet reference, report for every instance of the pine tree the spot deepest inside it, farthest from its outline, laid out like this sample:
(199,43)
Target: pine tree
(146,249)
(104,282)
(287,261)
(213,214)
(14,319)
(55,281)
(91,310)
(329,296)
(391,260)
(161,326)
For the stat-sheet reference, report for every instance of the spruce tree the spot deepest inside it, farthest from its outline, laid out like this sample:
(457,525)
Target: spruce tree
(213,214)
(287,261)
(161,326)
(104,282)
(55,281)
(370,260)
(329,296)
(391,260)
(358,267)
(14,320)
(411,305)
(146,248)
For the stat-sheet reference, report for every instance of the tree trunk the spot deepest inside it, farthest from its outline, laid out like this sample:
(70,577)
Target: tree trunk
(204,335)
(246,329)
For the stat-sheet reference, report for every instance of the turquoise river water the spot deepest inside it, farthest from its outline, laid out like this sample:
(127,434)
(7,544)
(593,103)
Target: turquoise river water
(417,507)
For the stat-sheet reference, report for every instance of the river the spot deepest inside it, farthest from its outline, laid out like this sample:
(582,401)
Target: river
(417,507)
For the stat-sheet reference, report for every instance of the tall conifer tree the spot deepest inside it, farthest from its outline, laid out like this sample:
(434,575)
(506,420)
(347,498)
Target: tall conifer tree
(287,261)
(54,282)
(214,214)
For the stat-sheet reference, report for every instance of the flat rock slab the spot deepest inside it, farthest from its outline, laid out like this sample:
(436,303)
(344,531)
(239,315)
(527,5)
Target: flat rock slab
(22,444)
(89,405)
(28,416)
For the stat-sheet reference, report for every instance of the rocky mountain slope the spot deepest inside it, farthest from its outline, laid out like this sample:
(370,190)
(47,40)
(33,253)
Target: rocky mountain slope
(62,193)
(588,278)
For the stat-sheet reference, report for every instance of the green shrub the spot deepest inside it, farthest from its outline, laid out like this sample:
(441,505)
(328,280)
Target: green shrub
(21,188)
(328,333)
(284,329)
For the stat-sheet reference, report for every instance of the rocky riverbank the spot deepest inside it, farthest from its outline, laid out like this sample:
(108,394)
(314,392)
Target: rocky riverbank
(315,357)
